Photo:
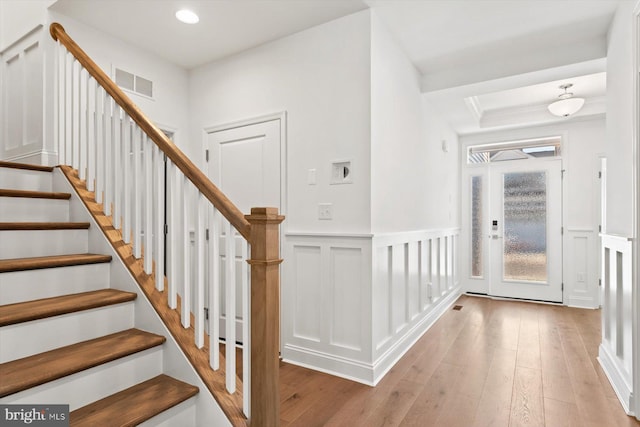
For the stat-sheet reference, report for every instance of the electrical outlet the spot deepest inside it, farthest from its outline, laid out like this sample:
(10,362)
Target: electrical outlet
(325,211)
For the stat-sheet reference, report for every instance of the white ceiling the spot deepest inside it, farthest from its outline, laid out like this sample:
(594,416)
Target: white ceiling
(503,57)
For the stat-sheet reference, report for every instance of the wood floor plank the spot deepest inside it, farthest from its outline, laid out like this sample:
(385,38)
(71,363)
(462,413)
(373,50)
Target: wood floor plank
(527,406)
(561,414)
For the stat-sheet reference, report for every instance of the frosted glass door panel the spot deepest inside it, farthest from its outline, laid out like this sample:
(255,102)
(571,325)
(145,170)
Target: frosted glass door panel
(477,221)
(525,226)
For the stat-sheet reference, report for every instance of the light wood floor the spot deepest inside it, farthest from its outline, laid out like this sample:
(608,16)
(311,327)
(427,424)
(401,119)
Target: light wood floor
(493,363)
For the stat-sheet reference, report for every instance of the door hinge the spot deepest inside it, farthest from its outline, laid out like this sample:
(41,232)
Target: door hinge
(206,154)
(562,173)
(600,174)
(206,233)
(562,231)
(166,229)
(562,287)
(599,282)
(600,228)
(206,313)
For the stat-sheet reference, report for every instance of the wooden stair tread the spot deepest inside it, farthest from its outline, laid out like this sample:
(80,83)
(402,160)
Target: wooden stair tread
(134,405)
(11,314)
(31,371)
(26,166)
(34,194)
(6,226)
(20,264)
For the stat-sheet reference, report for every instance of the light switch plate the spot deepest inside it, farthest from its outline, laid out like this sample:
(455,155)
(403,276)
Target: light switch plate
(325,211)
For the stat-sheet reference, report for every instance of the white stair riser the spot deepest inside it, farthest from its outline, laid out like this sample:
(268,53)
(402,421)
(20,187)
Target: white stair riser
(47,334)
(20,286)
(34,243)
(183,414)
(85,387)
(23,209)
(19,179)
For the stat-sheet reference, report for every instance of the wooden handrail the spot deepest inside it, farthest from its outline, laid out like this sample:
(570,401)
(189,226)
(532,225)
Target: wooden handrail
(193,173)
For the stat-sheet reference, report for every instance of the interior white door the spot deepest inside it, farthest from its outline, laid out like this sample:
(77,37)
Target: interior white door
(525,230)
(245,164)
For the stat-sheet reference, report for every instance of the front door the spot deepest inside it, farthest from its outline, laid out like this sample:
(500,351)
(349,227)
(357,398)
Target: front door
(515,229)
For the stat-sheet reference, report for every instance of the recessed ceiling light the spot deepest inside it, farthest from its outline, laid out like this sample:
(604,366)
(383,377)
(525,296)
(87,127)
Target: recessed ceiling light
(187,16)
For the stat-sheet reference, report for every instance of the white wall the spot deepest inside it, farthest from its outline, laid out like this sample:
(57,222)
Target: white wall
(321,78)
(18,17)
(620,138)
(583,144)
(398,149)
(442,169)
(169,106)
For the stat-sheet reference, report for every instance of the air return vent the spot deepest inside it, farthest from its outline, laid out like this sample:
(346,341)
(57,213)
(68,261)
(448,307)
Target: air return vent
(133,83)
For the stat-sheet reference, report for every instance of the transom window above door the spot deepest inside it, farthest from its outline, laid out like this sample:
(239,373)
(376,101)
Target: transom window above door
(515,150)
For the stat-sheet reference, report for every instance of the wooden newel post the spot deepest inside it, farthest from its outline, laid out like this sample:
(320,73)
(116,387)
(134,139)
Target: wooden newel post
(265,316)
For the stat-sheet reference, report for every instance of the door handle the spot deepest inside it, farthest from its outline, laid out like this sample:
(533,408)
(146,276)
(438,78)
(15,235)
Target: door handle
(495,236)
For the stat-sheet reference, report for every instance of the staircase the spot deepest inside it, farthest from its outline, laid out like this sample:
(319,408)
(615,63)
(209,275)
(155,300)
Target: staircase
(67,333)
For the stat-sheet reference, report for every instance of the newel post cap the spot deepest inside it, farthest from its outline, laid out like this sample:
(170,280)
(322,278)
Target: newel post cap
(267,214)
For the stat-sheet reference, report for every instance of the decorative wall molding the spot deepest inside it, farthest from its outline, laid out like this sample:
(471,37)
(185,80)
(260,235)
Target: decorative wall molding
(352,305)
(581,267)
(616,350)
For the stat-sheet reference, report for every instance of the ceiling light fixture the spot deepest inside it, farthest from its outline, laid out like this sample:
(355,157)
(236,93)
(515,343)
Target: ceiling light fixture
(187,16)
(567,104)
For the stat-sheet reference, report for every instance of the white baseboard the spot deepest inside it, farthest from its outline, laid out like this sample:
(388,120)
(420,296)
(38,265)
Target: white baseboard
(616,377)
(385,362)
(582,302)
(38,157)
(367,373)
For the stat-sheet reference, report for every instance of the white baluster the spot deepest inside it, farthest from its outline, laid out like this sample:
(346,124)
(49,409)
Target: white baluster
(117,166)
(82,172)
(127,179)
(230,307)
(246,329)
(108,156)
(137,192)
(57,113)
(99,144)
(186,244)
(174,235)
(199,285)
(148,204)
(160,216)
(68,138)
(91,133)
(75,93)
(214,287)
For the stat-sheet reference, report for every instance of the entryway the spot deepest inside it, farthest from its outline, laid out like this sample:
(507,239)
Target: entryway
(512,201)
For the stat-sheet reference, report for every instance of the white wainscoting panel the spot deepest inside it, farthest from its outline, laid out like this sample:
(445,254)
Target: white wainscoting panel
(615,353)
(581,254)
(353,305)
(22,88)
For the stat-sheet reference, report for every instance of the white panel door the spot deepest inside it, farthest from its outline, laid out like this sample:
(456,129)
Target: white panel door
(244,163)
(525,230)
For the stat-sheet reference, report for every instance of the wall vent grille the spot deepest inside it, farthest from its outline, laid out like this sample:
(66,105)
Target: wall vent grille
(133,83)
